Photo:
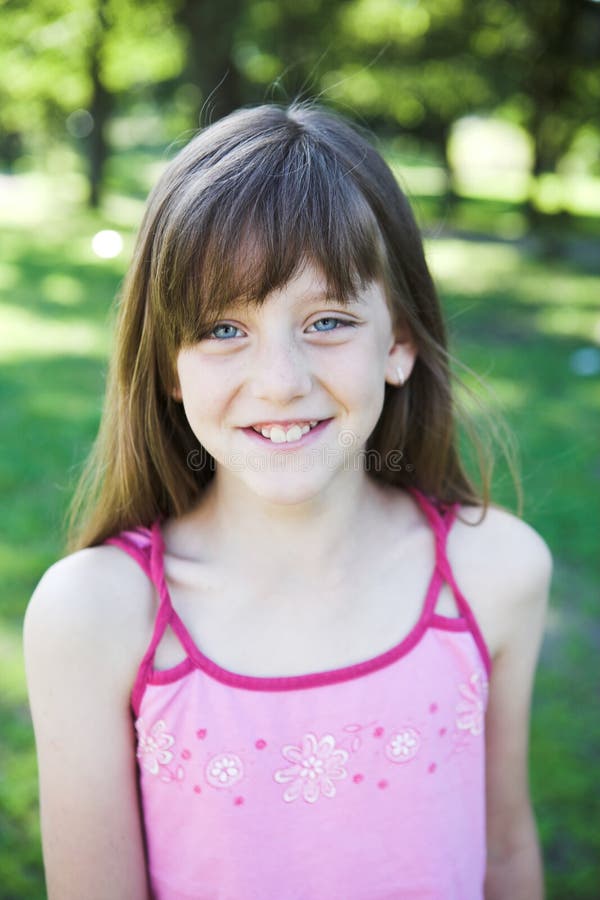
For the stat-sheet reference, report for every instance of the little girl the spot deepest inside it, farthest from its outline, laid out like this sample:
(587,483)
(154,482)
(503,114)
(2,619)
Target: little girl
(261,671)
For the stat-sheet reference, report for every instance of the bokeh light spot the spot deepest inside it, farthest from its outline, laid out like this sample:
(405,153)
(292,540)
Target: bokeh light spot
(107,244)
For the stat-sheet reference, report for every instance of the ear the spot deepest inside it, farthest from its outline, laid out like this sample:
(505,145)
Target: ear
(176,391)
(402,354)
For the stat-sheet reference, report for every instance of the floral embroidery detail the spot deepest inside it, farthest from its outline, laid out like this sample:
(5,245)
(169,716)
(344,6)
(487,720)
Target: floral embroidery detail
(403,746)
(153,747)
(471,709)
(354,729)
(167,775)
(315,765)
(223,770)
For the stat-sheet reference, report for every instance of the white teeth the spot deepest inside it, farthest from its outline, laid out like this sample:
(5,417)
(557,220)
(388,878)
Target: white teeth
(279,435)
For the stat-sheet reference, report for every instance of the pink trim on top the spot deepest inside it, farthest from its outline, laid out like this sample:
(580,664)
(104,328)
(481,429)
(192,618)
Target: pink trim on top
(441,524)
(427,618)
(142,546)
(135,544)
(467,612)
(147,547)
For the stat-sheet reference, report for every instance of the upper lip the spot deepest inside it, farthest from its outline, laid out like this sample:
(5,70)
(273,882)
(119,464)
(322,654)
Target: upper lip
(283,423)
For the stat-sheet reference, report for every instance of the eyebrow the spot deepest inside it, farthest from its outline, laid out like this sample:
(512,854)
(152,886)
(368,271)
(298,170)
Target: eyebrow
(319,297)
(332,298)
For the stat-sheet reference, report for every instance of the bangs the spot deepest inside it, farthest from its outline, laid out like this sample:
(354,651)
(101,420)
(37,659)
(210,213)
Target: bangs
(245,224)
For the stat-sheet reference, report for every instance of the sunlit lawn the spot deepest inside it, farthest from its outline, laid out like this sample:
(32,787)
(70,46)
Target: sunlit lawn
(515,319)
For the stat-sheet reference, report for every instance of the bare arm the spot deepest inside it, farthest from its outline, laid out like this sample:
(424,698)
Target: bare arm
(78,684)
(514,868)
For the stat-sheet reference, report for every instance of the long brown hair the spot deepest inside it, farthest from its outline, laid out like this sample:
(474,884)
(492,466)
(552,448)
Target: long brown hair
(232,217)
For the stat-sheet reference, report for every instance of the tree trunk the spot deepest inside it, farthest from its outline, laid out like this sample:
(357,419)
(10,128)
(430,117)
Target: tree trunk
(101,106)
(549,87)
(211,28)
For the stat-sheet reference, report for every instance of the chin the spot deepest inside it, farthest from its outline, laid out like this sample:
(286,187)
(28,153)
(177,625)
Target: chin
(287,488)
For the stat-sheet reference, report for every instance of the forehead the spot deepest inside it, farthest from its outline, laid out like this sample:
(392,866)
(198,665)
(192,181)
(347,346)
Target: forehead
(307,285)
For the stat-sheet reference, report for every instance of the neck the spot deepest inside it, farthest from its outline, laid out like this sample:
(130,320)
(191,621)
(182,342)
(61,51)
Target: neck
(315,541)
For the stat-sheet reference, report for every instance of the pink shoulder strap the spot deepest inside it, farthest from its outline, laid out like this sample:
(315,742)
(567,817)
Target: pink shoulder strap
(145,546)
(441,517)
(136,543)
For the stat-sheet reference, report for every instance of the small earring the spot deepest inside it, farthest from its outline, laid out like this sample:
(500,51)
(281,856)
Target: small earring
(400,375)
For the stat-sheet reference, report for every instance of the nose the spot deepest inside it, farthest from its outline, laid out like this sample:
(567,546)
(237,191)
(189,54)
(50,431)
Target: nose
(280,372)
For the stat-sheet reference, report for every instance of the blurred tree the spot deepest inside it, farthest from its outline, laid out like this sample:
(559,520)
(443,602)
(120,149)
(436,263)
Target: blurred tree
(422,64)
(101,103)
(211,30)
(555,83)
(67,62)
(413,65)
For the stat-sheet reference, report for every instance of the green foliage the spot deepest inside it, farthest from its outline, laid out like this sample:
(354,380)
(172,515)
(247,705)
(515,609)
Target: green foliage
(400,64)
(45,49)
(143,45)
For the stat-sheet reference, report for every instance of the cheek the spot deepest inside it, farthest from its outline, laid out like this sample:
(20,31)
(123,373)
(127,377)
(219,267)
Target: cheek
(360,372)
(208,389)
(196,388)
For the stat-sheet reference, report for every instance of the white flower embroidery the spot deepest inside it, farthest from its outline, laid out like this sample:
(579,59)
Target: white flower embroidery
(177,775)
(224,770)
(403,745)
(315,765)
(470,710)
(153,748)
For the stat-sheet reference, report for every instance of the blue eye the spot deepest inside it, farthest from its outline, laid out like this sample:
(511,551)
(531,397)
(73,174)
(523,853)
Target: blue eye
(343,322)
(223,325)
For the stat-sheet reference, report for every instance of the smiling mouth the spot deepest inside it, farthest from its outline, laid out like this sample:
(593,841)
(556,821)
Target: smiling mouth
(277,431)
(281,436)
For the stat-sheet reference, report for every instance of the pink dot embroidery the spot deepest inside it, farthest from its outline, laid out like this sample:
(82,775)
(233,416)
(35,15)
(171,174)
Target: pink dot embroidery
(433,708)
(185,754)
(197,789)
(442,732)
(260,745)
(358,778)
(378,731)
(201,733)
(239,801)
(382,784)
(432,768)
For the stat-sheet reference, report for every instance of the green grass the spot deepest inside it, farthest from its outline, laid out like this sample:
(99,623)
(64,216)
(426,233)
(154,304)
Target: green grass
(514,317)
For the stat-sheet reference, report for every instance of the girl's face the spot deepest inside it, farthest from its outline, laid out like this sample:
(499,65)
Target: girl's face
(299,358)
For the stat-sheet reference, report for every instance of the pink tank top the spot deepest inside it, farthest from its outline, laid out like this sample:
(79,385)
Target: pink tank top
(364,783)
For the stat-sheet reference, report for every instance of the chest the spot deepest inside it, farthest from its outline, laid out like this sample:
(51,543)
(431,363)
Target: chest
(294,627)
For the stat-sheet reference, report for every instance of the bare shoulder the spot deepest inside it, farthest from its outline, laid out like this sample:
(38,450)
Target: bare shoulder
(502,565)
(501,536)
(85,630)
(93,602)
